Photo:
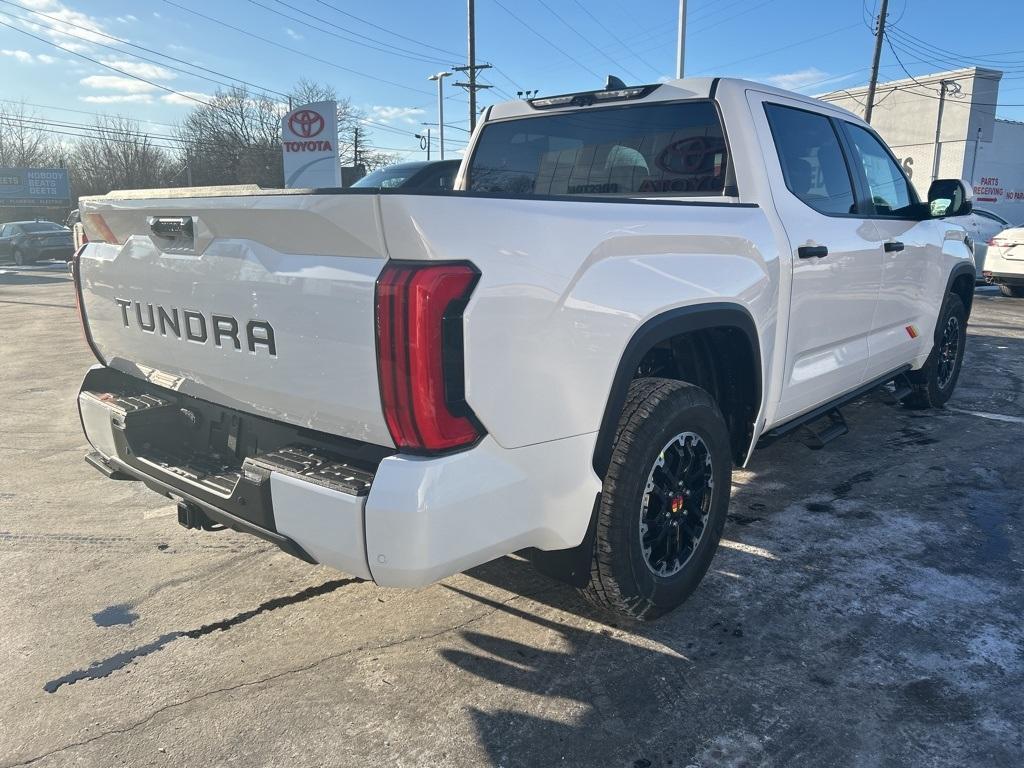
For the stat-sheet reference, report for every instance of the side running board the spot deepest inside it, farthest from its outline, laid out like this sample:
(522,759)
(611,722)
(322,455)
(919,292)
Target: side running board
(837,426)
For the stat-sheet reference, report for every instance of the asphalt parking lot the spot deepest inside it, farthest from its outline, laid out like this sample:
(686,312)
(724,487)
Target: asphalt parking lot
(865,609)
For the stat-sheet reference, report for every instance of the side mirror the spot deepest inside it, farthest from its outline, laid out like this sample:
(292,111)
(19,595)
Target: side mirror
(950,197)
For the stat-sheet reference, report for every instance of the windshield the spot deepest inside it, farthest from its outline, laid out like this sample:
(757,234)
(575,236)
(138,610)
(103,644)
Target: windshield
(386,178)
(642,150)
(41,226)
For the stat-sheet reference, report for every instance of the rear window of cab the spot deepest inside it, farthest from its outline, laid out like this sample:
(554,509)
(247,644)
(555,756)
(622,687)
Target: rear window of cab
(668,149)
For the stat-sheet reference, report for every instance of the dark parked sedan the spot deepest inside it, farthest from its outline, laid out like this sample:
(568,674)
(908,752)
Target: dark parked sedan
(29,241)
(438,175)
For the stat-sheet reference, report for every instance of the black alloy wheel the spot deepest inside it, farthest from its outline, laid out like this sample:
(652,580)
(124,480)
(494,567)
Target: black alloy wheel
(676,504)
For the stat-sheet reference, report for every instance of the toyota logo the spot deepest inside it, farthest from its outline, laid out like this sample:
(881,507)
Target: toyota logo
(306,123)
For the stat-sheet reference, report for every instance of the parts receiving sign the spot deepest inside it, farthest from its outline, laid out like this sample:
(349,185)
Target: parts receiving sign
(34,187)
(309,143)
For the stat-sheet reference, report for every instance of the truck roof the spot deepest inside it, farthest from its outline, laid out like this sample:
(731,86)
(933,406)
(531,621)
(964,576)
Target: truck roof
(670,90)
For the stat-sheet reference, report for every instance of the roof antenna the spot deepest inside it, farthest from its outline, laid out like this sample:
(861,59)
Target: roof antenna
(613,83)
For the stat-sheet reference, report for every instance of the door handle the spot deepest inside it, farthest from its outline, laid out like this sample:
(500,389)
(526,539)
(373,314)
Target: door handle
(812,251)
(892,246)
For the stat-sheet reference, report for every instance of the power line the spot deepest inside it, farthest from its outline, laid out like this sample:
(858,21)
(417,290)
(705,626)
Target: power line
(585,39)
(304,54)
(132,45)
(962,57)
(404,53)
(941,61)
(533,31)
(79,111)
(336,9)
(616,38)
(781,48)
(102,64)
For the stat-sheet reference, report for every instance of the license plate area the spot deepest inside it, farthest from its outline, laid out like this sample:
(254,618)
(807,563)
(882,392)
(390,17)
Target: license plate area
(219,455)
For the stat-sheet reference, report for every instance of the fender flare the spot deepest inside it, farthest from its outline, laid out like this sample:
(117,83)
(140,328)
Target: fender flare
(664,326)
(960,269)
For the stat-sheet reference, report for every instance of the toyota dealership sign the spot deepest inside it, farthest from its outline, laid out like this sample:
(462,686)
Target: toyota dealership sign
(309,142)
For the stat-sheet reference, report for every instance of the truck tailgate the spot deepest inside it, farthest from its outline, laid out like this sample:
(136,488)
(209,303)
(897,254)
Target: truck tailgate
(263,303)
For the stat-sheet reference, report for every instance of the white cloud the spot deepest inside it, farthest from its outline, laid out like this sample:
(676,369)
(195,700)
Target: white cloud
(63,25)
(794,81)
(141,69)
(388,114)
(23,56)
(123,98)
(127,18)
(27,58)
(182,99)
(116,83)
(292,33)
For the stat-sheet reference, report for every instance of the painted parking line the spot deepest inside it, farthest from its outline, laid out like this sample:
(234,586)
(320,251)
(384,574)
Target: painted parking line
(990,416)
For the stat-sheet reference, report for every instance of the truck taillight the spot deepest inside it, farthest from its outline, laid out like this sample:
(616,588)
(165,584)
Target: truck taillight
(419,354)
(101,232)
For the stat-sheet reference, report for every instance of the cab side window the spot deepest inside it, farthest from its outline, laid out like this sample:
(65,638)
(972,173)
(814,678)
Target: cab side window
(812,160)
(889,189)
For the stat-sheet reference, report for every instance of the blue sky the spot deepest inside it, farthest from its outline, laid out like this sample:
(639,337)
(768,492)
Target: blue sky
(383,52)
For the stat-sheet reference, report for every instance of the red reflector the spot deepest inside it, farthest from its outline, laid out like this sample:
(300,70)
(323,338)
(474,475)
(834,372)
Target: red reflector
(419,351)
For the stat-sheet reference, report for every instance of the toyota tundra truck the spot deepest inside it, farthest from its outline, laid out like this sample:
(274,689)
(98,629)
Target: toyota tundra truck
(627,292)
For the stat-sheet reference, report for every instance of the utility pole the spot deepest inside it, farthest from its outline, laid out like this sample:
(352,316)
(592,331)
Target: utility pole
(471,66)
(355,146)
(943,85)
(440,76)
(873,83)
(681,47)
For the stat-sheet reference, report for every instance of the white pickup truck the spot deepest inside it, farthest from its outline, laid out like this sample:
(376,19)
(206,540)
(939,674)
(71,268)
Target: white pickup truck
(628,290)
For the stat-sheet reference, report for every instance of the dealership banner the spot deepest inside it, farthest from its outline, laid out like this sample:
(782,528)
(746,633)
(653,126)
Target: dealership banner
(34,187)
(309,143)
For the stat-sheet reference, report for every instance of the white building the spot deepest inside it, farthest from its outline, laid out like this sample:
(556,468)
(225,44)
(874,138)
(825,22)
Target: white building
(945,126)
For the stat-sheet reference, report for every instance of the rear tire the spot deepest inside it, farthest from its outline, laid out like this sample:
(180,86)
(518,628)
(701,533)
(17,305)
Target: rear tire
(934,383)
(664,501)
(1013,291)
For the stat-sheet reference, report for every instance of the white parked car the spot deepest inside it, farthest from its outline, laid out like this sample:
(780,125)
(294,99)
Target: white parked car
(982,226)
(626,293)
(1005,264)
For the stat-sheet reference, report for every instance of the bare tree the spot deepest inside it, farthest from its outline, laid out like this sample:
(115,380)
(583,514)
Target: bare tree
(118,154)
(235,138)
(22,142)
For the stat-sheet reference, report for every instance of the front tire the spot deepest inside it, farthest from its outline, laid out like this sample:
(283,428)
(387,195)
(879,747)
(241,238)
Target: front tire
(664,501)
(1013,291)
(19,258)
(934,383)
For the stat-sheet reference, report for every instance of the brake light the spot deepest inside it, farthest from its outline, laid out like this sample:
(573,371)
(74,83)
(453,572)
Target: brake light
(419,354)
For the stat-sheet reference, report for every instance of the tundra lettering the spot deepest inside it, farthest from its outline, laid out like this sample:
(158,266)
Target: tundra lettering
(629,291)
(259,333)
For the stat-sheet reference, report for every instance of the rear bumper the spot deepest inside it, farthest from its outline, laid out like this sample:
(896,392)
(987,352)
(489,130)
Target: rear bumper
(1004,278)
(50,252)
(413,521)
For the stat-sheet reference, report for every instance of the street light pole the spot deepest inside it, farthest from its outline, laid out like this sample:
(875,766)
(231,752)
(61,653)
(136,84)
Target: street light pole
(681,47)
(440,108)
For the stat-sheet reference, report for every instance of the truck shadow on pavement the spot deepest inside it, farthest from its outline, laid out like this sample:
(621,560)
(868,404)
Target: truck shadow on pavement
(30,278)
(863,609)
